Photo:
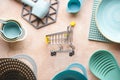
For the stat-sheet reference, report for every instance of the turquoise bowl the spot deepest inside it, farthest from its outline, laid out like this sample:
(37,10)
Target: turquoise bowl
(74,6)
(11,29)
(69,74)
(108,19)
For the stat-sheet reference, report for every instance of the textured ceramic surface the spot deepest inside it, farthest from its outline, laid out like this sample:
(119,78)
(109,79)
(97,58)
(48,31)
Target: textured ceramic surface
(11,29)
(108,19)
(69,74)
(20,38)
(104,66)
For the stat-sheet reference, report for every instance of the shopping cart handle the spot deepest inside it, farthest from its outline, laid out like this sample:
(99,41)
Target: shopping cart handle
(72,24)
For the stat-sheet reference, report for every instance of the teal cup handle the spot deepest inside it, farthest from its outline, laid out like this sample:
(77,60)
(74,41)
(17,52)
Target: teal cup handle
(2,33)
(77,65)
(29,59)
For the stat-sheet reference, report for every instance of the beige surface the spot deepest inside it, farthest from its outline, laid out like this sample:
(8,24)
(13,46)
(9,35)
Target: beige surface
(34,44)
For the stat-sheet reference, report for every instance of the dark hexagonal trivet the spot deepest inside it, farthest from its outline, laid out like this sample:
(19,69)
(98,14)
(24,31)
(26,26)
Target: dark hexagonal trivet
(36,22)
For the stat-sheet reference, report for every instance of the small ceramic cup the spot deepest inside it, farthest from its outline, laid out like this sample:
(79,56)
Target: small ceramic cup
(74,6)
(12,31)
(69,74)
(40,8)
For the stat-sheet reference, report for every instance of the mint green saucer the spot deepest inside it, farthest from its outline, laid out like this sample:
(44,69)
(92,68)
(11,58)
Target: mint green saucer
(108,19)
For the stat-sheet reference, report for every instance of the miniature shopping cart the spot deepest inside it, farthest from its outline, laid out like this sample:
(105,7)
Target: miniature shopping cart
(61,42)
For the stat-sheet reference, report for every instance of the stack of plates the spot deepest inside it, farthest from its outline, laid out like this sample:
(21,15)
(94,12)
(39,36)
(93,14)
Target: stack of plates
(108,19)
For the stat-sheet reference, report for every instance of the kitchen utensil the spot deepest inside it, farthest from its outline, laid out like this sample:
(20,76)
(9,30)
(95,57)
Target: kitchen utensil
(74,6)
(69,74)
(19,38)
(104,65)
(40,8)
(11,29)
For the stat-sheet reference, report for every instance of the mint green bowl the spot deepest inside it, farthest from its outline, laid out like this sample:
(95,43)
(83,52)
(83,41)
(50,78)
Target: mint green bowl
(104,65)
(107,18)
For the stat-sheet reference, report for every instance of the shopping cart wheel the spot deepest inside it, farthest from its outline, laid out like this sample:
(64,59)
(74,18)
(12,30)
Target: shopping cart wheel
(71,53)
(53,53)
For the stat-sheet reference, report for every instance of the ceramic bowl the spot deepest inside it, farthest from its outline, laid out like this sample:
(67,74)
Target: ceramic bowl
(108,19)
(22,37)
(11,29)
(71,74)
(74,6)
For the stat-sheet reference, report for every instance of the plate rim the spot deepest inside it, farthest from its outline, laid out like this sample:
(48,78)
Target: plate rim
(97,24)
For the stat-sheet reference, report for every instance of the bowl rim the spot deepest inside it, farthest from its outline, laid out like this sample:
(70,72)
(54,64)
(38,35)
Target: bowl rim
(17,39)
(59,73)
(97,24)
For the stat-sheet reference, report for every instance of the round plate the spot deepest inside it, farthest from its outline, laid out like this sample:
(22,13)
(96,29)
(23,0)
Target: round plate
(108,19)
(13,69)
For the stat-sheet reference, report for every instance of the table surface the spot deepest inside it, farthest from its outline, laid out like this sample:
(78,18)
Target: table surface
(34,44)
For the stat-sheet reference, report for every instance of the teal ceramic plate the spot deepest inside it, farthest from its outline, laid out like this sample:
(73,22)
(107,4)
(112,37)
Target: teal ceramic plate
(108,19)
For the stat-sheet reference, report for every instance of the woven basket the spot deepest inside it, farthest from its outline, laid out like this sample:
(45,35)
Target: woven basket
(14,69)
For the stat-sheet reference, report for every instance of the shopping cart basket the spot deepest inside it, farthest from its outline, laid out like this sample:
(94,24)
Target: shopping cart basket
(61,41)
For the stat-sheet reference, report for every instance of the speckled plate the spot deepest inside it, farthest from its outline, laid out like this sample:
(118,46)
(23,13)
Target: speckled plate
(108,19)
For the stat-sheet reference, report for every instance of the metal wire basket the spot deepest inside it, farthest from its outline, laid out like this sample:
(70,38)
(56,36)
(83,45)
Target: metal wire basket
(61,40)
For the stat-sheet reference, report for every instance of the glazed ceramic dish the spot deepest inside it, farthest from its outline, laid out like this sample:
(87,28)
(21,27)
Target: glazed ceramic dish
(22,37)
(104,65)
(11,29)
(74,6)
(108,19)
(70,74)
